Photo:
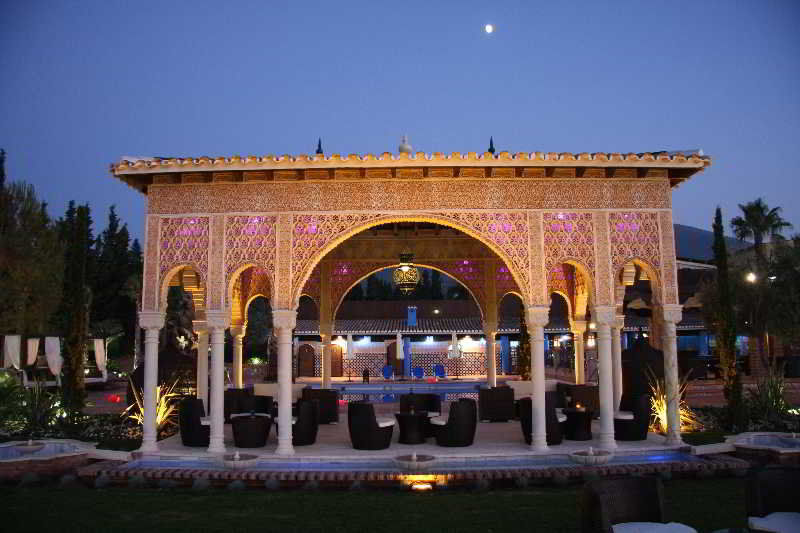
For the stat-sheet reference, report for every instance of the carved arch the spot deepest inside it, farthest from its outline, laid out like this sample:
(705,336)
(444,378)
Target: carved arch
(166,279)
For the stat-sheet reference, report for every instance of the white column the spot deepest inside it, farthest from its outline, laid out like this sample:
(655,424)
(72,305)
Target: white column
(284,320)
(202,367)
(604,317)
(538,317)
(616,353)
(672,315)
(491,354)
(152,322)
(217,322)
(578,333)
(238,337)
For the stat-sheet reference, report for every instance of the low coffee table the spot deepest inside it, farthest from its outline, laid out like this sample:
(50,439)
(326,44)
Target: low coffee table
(413,427)
(579,423)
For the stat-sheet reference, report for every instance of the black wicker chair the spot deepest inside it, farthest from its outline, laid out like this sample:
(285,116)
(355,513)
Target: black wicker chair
(365,433)
(304,428)
(250,431)
(605,502)
(232,399)
(328,403)
(496,404)
(588,396)
(459,430)
(254,404)
(420,402)
(635,428)
(553,428)
(193,433)
(773,490)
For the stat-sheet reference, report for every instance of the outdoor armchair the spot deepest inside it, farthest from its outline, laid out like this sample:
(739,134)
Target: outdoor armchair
(366,431)
(250,431)
(634,427)
(254,404)
(306,423)
(553,427)
(438,371)
(605,502)
(459,427)
(496,404)
(771,499)
(328,403)
(421,402)
(231,401)
(387,371)
(193,432)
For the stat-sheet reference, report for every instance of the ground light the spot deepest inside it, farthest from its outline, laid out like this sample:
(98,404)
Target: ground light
(422,482)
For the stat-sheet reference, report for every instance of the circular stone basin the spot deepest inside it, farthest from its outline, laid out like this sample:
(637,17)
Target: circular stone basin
(415,462)
(29,447)
(596,457)
(245,460)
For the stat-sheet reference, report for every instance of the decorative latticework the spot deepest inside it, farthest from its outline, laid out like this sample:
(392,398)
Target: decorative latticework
(184,240)
(249,240)
(311,233)
(561,278)
(504,281)
(634,235)
(569,237)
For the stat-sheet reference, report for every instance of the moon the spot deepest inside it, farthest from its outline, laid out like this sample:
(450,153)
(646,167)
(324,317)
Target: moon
(488,28)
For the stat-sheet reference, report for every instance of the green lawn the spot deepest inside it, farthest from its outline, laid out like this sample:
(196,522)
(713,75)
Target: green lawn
(703,504)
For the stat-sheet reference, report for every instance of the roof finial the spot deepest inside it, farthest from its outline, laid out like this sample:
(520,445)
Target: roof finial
(319,146)
(491,145)
(404,147)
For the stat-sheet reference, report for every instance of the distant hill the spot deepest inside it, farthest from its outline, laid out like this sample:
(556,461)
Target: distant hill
(694,244)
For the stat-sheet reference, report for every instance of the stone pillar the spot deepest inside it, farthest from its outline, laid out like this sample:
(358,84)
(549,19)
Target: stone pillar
(672,314)
(238,336)
(490,330)
(152,322)
(604,316)
(616,352)
(217,323)
(326,337)
(284,320)
(202,367)
(538,317)
(578,336)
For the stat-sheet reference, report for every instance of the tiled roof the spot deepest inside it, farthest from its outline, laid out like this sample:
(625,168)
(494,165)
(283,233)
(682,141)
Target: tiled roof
(145,165)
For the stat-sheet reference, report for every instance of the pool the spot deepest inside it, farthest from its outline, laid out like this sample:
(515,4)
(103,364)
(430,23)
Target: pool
(54,458)
(443,464)
(765,448)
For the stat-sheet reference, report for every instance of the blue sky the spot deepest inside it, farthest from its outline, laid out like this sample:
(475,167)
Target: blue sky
(84,83)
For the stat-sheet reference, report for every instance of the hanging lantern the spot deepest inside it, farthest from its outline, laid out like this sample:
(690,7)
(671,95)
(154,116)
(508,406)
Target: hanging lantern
(406,276)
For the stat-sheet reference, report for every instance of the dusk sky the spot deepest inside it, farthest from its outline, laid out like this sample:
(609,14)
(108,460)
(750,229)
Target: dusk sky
(84,83)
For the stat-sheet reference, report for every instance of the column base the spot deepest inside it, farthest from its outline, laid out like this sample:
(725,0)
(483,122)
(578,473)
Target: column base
(216,446)
(539,445)
(674,440)
(149,447)
(285,448)
(607,442)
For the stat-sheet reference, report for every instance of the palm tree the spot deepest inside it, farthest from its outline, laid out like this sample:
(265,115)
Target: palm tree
(757,222)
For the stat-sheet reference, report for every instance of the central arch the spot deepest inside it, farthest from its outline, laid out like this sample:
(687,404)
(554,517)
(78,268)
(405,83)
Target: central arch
(520,271)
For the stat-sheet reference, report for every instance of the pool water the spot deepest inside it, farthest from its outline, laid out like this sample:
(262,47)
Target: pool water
(388,465)
(9,451)
(777,441)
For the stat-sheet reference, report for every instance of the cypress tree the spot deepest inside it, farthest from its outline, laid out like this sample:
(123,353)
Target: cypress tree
(724,318)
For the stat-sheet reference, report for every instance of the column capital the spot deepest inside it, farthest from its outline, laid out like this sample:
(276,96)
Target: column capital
(537,315)
(325,329)
(578,327)
(619,322)
(151,319)
(237,332)
(284,318)
(199,326)
(218,319)
(490,328)
(604,314)
(672,312)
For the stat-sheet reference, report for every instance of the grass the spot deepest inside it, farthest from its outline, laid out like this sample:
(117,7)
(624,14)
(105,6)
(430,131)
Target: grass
(705,505)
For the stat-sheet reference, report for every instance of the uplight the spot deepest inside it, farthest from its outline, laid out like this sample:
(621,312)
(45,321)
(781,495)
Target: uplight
(421,486)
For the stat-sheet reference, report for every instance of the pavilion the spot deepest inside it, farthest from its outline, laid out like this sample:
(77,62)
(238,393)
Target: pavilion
(582,225)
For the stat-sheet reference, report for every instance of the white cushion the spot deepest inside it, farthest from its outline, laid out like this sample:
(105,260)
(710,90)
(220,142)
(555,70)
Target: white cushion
(624,415)
(776,522)
(439,420)
(385,422)
(236,415)
(433,413)
(651,527)
(294,419)
(561,417)
(205,421)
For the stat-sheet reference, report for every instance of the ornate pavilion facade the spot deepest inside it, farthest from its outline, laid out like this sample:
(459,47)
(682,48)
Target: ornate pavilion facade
(582,225)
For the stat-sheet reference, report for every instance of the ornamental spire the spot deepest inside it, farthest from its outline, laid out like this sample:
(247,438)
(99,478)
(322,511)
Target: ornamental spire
(319,146)
(491,145)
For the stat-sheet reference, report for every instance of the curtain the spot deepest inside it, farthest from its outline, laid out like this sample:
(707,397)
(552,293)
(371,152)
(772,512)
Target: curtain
(11,351)
(351,352)
(452,351)
(506,350)
(33,350)
(52,350)
(399,347)
(100,355)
